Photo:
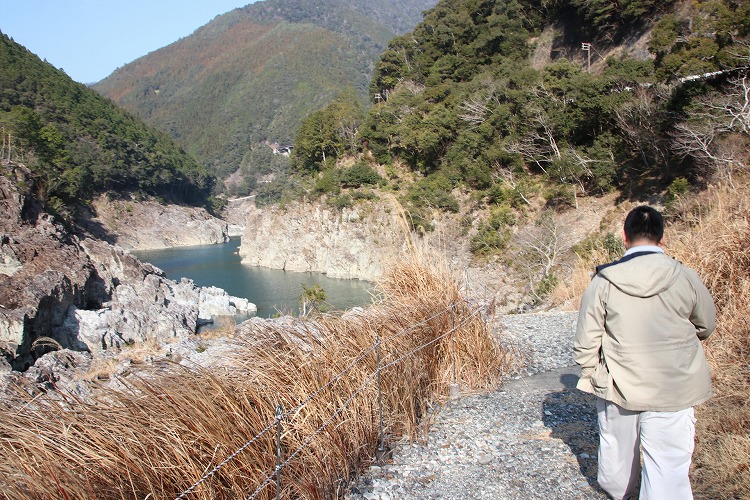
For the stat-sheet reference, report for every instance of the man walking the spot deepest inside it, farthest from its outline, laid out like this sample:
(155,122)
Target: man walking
(638,344)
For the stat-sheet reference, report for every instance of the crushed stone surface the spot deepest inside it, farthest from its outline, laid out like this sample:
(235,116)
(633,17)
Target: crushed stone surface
(535,436)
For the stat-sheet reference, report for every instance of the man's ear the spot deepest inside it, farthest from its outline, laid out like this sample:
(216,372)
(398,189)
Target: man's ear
(625,240)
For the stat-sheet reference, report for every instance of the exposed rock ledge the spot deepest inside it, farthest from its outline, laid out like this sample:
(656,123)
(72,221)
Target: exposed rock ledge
(354,243)
(148,225)
(84,294)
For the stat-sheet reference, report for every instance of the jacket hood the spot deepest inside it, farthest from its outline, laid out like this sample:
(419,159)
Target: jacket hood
(644,275)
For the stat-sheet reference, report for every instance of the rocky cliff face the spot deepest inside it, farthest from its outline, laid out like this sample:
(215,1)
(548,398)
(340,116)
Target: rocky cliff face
(149,225)
(353,243)
(350,244)
(84,294)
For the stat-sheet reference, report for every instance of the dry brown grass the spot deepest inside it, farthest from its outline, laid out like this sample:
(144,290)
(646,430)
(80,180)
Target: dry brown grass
(166,429)
(712,235)
(568,292)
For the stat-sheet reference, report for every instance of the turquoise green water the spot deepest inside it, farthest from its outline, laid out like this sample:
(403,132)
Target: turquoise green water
(271,290)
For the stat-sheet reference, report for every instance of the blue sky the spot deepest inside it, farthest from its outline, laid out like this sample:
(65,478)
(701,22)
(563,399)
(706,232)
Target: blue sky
(89,39)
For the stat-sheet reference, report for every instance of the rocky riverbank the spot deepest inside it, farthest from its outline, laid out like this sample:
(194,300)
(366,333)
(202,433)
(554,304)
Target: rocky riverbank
(62,289)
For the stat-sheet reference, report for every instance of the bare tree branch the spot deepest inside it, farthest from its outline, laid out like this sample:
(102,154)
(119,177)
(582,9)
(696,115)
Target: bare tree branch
(505,174)
(539,248)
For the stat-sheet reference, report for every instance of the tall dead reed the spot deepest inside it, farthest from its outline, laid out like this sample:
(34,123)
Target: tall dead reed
(168,428)
(712,235)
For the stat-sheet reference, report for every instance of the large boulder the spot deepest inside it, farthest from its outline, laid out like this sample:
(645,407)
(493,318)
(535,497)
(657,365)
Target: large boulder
(217,302)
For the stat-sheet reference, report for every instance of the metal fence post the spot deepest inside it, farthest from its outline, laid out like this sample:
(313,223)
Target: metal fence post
(380,452)
(454,385)
(279,415)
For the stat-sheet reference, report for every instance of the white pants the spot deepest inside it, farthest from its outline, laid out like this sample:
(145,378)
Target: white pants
(667,441)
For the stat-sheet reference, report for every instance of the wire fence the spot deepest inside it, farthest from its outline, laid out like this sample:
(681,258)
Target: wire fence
(281,415)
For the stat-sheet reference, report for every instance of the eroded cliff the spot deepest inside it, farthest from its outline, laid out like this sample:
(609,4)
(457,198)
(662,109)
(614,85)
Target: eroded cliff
(351,243)
(148,225)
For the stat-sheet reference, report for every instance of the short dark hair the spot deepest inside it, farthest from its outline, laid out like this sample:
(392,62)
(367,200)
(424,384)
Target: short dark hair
(644,223)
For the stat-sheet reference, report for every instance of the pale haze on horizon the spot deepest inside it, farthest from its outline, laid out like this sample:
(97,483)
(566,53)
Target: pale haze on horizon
(89,39)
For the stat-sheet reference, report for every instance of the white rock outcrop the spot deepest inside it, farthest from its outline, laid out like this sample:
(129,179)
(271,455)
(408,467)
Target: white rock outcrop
(217,302)
(353,243)
(149,225)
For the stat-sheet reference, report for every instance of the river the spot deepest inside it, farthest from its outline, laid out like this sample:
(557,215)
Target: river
(273,291)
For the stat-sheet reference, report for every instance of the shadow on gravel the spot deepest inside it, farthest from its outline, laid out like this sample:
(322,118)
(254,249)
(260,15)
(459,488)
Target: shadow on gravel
(571,416)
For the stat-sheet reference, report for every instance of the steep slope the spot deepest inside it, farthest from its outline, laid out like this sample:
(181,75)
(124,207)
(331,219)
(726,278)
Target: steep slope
(252,74)
(78,144)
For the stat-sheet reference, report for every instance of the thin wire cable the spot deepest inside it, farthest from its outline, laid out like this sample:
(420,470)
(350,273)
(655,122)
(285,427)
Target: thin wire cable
(367,381)
(338,376)
(329,383)
(226,461)
(320,429)
(297,408)
(412,327)
(270,477)
(434,340)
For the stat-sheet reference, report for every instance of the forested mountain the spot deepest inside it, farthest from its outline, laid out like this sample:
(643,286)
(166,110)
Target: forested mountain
(496,98)
(250,75)
(78,144)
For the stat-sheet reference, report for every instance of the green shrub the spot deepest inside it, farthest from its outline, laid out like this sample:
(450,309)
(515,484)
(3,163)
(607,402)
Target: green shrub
(677,189)
(390,171)
(340,201)
(271,193)
(560,196)
(364,195)
(433,192)
(360,174)
(327,183)
(545,287)
(600,248)
(420,220)
(494,234)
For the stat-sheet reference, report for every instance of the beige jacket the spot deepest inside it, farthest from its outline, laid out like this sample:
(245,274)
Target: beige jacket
(638,335)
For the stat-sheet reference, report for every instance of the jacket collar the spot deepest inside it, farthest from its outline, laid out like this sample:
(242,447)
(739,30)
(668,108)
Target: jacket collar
(630,255)
(644,248)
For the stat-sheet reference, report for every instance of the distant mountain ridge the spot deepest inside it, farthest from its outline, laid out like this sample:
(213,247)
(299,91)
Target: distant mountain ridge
(253,73)
(78,145)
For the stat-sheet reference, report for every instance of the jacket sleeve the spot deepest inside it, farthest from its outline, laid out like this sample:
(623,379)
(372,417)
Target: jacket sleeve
(703,315)
(590,331)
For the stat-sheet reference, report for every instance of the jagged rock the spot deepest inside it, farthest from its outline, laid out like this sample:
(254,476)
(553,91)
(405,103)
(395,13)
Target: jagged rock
(84,294)
(216,302)
(57,366)
(51,277)
(9,263)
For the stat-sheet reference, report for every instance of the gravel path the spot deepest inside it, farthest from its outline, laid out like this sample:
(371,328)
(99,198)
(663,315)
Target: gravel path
(534,437)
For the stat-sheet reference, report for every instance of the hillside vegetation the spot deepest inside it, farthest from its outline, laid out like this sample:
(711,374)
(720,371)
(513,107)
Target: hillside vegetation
(78,144)
(463,103)
(250,75)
